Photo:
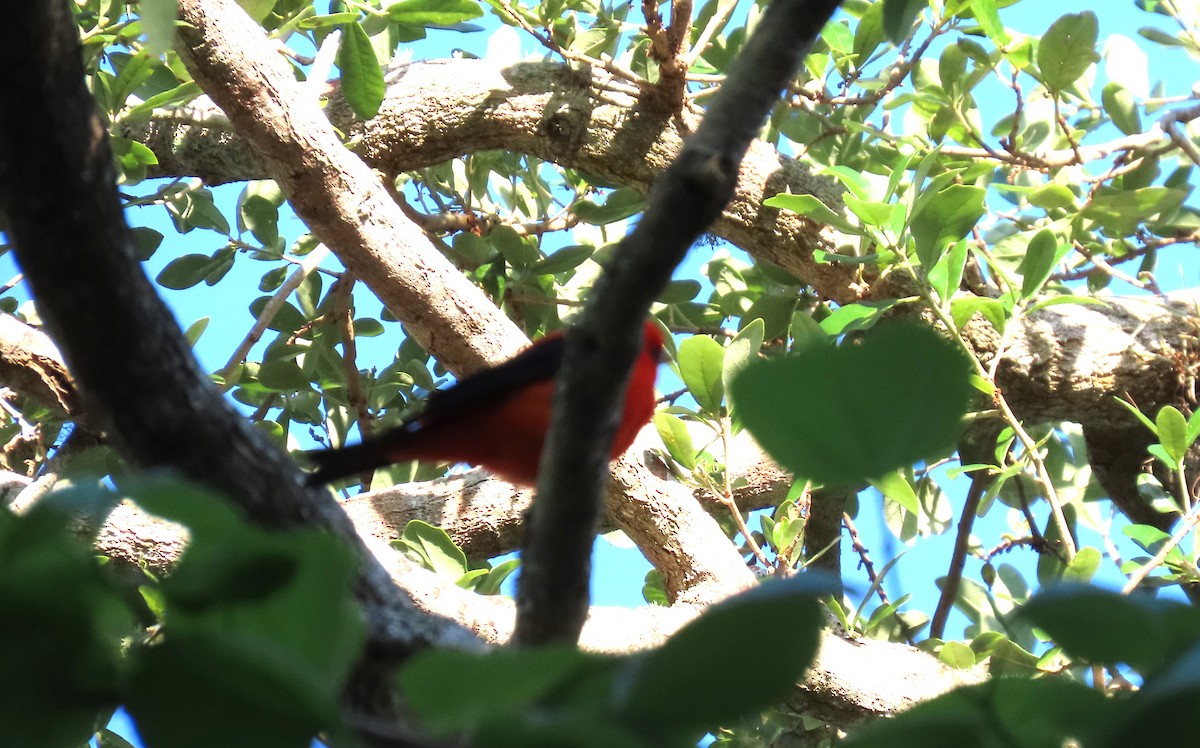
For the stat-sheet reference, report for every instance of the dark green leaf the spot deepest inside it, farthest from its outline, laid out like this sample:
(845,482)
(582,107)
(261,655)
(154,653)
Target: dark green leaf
(1099,626)
(146,242)
(184,272)
(458,691)
(1067,49)
(261,218)
(1002,712)
(679,291)
(828,415)
(898,17)
(742,350)
(362,77)
(287,317)
(61,623)
(518,250)
(567,258)
(681,687)
(282,375)
(621,204)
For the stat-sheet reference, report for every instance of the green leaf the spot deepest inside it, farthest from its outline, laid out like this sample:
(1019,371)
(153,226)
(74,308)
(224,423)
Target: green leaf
(287,317)
(257,9)
(679,291)
(195,330)
(946,275)
(146,242)
(811,207)
(184,272)
(1172,432)
(743,349)
(362,77)
(1038,263)
(459,691)
(1039,712)
(490,585)
(1193,428)
(1151,539)
(988,17)
(282,375)
(1121,211)
(1053,197)
(262,694)
(856,317)
(261,217)
(1121,108)
(879,215)
(433,547)
(701,361)
(681,687)
(1067,49)
(946,217)
(962,310)
(832,415)
(896,487)
(61,621)
(259,628)
(676,438)
(567,258)
(1083,567)
(106,738)
(620,204)
(957,655)
(158,22)
(898,18)
(518,250)
(1098,626)
(433,12)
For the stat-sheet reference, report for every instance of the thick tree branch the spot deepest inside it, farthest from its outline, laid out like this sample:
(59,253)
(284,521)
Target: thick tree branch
(133,367)
(335,193)
(441,109)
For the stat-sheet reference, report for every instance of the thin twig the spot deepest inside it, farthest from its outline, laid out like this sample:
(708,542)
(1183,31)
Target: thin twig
(1140,574)
(270,309)
(343,310)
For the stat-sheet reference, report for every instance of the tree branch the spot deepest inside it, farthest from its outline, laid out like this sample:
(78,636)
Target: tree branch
(552,597)
(335,193)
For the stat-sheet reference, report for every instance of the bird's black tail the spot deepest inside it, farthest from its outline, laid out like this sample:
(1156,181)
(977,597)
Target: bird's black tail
(333,464)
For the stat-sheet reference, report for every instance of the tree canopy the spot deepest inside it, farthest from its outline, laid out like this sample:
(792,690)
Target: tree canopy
(924,283)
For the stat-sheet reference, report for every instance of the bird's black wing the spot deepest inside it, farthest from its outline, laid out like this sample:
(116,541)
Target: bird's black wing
(539,362)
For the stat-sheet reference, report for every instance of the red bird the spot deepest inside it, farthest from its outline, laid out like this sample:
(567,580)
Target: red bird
(496,419)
